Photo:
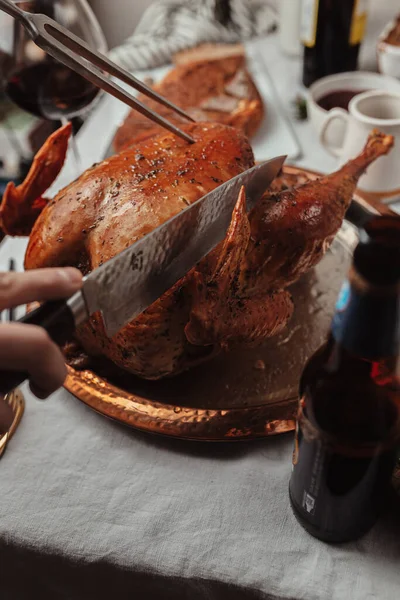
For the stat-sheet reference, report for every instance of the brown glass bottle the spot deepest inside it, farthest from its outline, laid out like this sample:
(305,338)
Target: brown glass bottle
(348,421)
(331,33)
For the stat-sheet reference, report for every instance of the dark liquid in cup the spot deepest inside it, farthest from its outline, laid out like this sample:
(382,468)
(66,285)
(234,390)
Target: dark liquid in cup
(338,99)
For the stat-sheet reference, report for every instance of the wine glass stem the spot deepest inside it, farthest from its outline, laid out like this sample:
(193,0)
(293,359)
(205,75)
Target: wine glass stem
(74,147)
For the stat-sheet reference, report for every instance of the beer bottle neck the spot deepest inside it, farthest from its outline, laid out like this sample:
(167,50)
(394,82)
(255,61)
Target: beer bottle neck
(367,319)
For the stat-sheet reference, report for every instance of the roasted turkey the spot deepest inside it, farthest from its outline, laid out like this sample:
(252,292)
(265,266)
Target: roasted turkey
(235,295)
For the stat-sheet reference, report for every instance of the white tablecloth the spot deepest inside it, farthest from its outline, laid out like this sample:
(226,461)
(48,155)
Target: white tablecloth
(90,509)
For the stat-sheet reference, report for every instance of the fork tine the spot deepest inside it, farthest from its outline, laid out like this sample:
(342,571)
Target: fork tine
(81,48)
(57,49)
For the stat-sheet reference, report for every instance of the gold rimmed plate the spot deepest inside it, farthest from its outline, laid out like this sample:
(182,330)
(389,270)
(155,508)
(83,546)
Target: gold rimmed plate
(243,394)
(12,409)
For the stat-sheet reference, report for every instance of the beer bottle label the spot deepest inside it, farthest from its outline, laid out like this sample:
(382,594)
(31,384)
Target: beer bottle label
(358,23)
(366,324)
(308,24)
(337,489)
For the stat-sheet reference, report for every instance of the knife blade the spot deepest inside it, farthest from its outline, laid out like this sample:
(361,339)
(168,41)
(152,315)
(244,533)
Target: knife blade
(127,284)
(147,269)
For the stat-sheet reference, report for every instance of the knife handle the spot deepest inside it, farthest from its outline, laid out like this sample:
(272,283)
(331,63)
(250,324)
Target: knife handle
(57,318)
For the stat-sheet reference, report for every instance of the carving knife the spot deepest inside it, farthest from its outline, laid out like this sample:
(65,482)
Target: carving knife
(126,285)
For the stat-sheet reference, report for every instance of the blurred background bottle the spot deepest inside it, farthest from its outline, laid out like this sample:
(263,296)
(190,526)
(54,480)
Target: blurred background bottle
(331,33)
(289,26)
(349,410)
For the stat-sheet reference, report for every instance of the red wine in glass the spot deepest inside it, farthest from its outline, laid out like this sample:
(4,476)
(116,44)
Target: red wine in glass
(50,90)
(36,82)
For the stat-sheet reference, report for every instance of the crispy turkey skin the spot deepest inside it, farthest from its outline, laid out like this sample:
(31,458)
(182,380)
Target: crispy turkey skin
(236,294)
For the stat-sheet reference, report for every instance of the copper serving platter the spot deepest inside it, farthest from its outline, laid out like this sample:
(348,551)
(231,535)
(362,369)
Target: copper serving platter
(244,394)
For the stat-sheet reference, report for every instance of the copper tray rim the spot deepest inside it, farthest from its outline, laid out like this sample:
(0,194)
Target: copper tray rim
(151,416)
(165,419)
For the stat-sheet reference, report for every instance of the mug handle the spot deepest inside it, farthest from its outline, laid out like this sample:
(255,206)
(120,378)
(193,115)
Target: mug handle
(334,113)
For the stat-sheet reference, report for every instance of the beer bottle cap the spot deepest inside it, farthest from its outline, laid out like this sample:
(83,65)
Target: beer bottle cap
(377,256)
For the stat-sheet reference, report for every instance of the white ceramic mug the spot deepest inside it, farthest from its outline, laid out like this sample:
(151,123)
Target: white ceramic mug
(357,81)
(371,110)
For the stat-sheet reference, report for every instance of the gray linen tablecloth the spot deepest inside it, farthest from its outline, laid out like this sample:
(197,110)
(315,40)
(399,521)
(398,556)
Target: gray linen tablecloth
(90,509)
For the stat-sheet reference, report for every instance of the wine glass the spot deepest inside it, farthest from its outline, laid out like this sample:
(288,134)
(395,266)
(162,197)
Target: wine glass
(35,81)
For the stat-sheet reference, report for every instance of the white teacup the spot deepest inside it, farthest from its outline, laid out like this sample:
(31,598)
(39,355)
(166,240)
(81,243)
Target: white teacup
(367,111)
(356,81)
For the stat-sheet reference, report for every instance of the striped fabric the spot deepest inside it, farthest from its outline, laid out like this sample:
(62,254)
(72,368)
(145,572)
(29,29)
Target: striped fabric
(169,26)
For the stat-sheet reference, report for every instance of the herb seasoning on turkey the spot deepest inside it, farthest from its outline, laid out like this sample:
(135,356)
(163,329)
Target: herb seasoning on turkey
(235,295)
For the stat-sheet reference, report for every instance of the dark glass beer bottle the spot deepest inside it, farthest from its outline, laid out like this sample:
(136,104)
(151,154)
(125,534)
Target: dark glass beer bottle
(331,33)
(348,420)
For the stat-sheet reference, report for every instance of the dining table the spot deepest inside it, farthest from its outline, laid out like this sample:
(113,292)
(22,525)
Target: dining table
(90,508)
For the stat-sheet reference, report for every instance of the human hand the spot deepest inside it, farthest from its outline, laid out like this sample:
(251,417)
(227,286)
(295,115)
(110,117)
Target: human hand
(28,347)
